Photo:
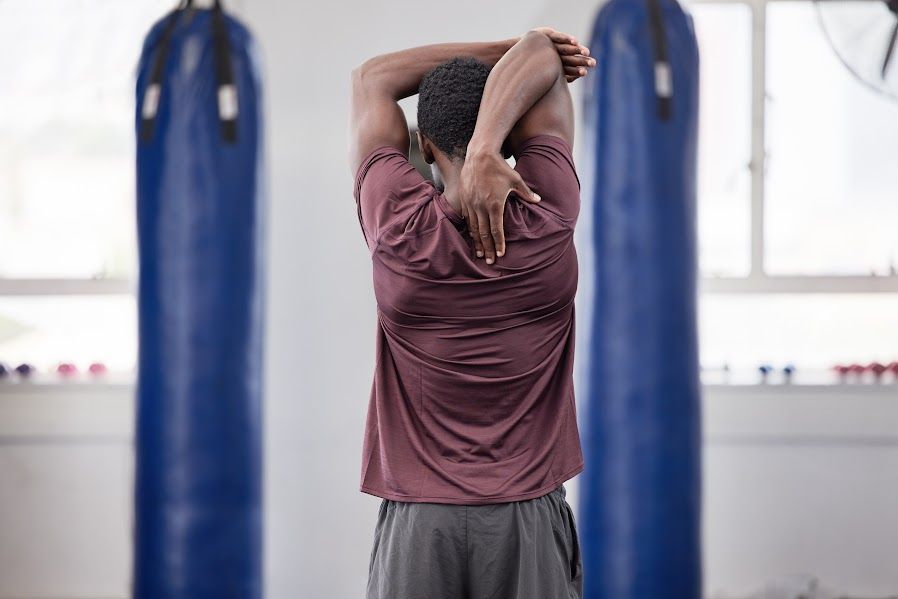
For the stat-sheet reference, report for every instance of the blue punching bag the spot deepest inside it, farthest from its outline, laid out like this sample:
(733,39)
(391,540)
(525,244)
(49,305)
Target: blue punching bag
(198,520)
(640,494)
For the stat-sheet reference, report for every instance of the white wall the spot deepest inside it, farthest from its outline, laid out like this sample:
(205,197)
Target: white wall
(321,309)
(800,481)
(66,476)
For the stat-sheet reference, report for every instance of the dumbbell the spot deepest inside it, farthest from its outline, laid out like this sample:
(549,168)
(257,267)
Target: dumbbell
(97,369)
(857,369)
(788,371)
(877,369)
(25,370)
(66,369)
(842,370)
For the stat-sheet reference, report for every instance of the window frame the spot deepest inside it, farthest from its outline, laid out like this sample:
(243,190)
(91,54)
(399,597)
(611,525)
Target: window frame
(758,280)
(37,287)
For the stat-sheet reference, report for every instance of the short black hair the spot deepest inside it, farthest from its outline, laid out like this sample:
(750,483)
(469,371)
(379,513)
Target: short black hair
(448,102)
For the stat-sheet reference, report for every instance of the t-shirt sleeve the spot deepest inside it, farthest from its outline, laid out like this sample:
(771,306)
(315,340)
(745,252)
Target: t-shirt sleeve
(546,164)
(384,184)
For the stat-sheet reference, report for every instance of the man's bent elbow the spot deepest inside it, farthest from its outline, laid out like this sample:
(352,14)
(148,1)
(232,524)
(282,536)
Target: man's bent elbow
(543,54)
(539,41)
(365,73)
(357,74)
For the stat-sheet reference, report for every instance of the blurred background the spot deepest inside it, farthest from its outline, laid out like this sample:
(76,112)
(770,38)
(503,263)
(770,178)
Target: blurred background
(798,304)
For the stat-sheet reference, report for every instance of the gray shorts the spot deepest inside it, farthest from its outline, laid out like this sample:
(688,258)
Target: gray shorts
(516,550)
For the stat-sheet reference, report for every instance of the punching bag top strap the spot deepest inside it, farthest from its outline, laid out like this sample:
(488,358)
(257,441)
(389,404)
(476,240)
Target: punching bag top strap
(150,103)
(663,75)
(189,4)
(226,91)
(224,73)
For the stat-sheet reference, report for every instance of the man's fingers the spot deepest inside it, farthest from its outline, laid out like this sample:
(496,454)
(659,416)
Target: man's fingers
(557,36)
(497,228)
(486,236)
(571,50)
(576,66)
(525,193)
(474,232)
(574,72)
(578,61)
(568,49)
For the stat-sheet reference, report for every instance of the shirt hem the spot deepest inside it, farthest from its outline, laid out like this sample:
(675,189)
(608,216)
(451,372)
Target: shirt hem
(475,500)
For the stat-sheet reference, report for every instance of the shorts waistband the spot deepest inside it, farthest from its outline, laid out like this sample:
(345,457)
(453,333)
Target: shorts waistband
(560,491)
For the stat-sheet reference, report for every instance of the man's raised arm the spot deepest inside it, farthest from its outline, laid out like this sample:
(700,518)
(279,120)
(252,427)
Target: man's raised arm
(520,80)
(379,83)
(526,94)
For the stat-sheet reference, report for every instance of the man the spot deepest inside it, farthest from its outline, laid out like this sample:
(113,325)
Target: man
(471,426)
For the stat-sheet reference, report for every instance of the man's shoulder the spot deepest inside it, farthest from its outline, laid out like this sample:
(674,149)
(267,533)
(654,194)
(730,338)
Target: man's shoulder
(389,192)
(546,163)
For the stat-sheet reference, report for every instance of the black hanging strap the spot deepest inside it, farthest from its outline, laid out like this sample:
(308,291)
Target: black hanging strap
(149,106)
(226,91)
(663,75)
(224,73)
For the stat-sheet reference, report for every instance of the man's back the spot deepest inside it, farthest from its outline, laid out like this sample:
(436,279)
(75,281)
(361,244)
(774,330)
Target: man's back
(472,400)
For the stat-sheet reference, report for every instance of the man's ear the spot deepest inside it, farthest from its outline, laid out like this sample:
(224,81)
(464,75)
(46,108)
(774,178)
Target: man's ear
(424,146)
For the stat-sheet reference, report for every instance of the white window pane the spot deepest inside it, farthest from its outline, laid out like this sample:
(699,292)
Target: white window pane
(832,143)
(811,331)
(724,152)
(66,135)
(44,331)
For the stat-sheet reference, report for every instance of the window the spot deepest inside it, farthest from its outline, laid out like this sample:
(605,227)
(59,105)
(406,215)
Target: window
(724,180)
(796,194)
(67,232)
(831,197)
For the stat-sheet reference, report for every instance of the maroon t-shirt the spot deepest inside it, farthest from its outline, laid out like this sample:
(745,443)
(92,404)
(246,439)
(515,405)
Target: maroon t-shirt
(473,399)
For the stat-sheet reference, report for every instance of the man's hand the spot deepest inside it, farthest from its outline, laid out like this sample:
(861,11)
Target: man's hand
(486,181)
(574,56)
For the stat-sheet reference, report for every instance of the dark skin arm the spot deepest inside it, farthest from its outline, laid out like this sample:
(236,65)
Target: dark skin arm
(378,84)
(526,94)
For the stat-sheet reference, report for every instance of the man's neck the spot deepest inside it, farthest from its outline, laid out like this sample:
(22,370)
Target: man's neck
(450,175)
